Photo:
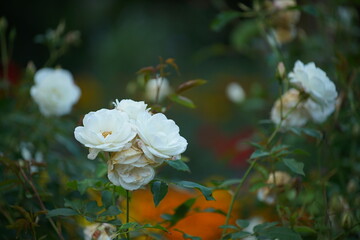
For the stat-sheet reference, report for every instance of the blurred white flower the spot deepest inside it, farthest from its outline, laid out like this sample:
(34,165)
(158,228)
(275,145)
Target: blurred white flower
(283,20)
(54,91)
(315,82)
(159,136)
(254,221)
(99,231)
(235,92)
(128,176)
(105,130)
(132,108)
(26,150)
(157,89)
(319,113)
(277,179)
(289,111)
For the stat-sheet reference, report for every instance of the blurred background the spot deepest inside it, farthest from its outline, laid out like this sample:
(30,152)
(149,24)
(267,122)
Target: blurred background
(120,37)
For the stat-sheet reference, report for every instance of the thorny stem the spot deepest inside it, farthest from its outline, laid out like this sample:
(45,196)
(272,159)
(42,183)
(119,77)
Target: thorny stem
(42,206)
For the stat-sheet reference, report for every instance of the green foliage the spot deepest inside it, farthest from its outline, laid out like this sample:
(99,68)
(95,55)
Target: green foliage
(184,101)
(187,236)
(159,190)
(207,193)
(180,212)
(178,165)
(223,18)
(294,166)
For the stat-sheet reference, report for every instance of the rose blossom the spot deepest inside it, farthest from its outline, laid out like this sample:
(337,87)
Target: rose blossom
(157,89)
(319,113)
(315,82)
(278,179)
(105,130)
(293,117)
(100,231)
(159,136)
(132,108)
(128,176)
(54,91)
(134,156)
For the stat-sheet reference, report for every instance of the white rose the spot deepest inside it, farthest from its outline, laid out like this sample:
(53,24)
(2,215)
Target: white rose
(157,89)
(285,108)
(159,136)
(128,176)
(133,156)
(314,81)
(235,92)
(319,113)
(54,91)
(99,231)
(105,130)
(132,108)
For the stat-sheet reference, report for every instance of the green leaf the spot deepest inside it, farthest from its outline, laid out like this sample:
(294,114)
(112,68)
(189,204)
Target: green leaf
(212,210)
(229,182)
(229,227)
(159,190)
(85,184)
(190,84)
(92,207)
(180,211)
(106,198)
(304,230)
(223,19)
(242,223)
(111,211)
(184,101)
(75,204)
(204,190)
(66,212)
(294,166)
(261,227)
(187,236)
(129,225)
(178,165)
(157,226)
(313,133)
(243,33)
(258,154)
(280,233)
(240,235)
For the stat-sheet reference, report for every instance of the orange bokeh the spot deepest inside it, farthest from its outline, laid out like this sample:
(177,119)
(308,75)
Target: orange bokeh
(196,223)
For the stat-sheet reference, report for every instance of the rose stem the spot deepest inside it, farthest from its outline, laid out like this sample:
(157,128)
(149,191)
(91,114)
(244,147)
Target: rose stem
(127,212)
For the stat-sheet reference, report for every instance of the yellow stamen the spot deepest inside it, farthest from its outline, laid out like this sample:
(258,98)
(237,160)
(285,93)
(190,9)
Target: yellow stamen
(105,134)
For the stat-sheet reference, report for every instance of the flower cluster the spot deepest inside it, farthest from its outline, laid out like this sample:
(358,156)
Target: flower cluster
(54,91)
(313,98)
(136,140)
